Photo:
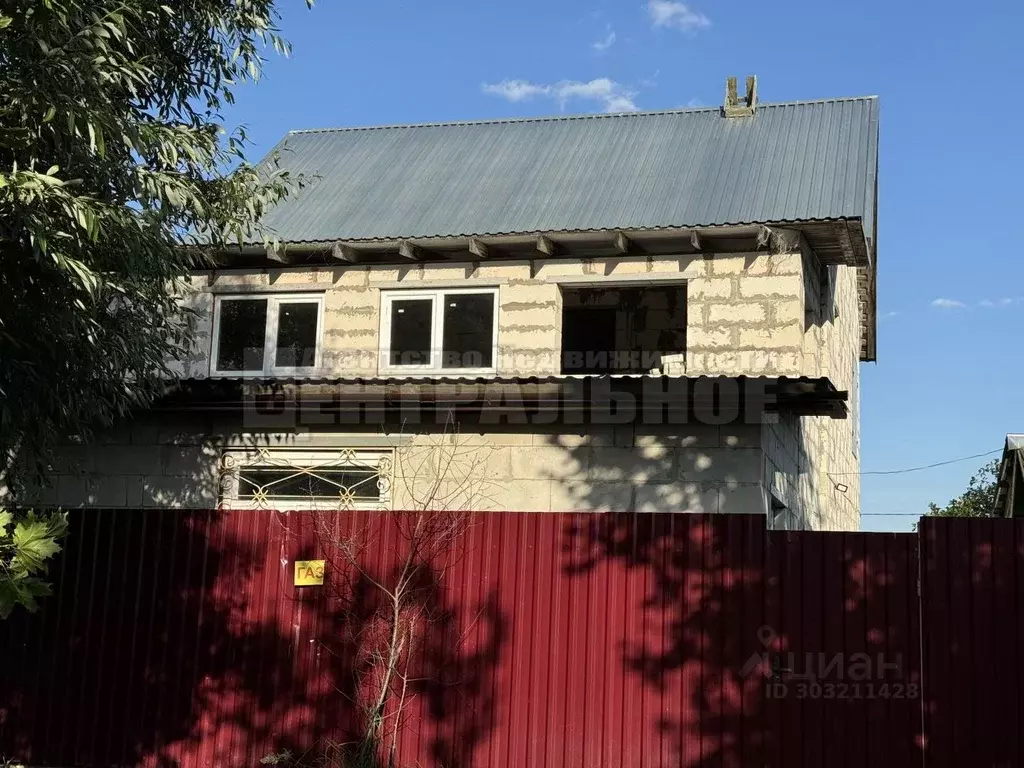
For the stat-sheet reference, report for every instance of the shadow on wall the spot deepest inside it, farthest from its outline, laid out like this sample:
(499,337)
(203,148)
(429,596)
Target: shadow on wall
(177,638)
(138,464)
(697,468)
(153,462)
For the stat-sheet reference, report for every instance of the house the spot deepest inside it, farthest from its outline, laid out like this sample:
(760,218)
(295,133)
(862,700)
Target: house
(1009,501)
(652,311)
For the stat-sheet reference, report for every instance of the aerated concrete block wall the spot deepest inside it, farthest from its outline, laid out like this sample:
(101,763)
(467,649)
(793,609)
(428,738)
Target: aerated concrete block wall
(746,314)
(808,460)
(687,468)
(836,339)
(746,317)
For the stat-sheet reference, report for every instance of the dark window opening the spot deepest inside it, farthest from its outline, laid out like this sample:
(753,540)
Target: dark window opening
(618,330)
(588,340)
(411,321)
(468,330)
(781,518)
(296,335)
(242,335)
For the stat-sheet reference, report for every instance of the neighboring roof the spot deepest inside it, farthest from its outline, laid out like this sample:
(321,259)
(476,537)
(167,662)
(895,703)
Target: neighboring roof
(1010,479)
(800,161)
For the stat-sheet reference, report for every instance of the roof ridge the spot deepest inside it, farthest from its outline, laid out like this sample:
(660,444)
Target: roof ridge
(566,118)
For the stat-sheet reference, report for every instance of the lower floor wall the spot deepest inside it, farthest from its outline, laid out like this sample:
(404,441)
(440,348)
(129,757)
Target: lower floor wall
(191,461)
(812,479)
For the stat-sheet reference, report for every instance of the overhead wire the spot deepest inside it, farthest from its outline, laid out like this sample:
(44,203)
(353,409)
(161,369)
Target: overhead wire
(916,469)
(905,471)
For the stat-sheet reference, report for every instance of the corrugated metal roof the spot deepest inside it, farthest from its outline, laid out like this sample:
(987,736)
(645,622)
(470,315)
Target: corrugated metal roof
(798,161)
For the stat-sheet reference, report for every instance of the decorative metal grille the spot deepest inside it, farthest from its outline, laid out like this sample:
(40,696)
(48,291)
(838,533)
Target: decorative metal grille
(282,479)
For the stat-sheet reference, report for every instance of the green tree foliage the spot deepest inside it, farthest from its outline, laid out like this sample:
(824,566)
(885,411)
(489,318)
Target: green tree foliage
(116,178)
(27,541)
(979,498)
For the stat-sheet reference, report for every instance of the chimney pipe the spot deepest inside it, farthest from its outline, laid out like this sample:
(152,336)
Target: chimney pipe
(735,106)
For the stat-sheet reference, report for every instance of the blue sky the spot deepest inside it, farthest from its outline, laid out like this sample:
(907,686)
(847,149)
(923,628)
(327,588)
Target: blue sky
(951,275)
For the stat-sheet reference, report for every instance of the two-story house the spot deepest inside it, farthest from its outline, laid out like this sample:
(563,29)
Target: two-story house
(652,311)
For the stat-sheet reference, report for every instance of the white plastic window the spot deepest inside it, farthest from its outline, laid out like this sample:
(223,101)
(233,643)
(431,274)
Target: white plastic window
(452,331)
(267,335)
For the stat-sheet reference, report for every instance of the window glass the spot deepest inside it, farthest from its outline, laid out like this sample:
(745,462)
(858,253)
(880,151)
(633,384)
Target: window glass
(289,484)
(468,330)
(296,335)
(411,331)
(243,330)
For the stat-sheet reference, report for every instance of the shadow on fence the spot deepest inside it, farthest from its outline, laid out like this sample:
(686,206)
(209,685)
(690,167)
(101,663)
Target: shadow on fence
(178,638)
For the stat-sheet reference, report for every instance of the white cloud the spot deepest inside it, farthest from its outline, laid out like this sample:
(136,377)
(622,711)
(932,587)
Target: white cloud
(948,304)
(606,42)
(516,90)
(887,315)
(612,96)
(622,103)
(676,15)
(1003,302)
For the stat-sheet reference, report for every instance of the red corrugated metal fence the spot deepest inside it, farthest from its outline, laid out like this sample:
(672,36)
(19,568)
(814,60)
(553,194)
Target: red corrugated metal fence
(540,640)
(972,587)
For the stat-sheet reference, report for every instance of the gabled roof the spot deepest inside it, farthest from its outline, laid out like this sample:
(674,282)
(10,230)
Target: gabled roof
(1009,500)
(793,162)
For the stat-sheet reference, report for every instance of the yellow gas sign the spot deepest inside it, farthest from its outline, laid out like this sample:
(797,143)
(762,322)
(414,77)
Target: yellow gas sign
(309,573)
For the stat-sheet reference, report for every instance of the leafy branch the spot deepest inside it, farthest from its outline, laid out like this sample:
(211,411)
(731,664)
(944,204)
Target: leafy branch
(27,542)
(978,500)
(117,178)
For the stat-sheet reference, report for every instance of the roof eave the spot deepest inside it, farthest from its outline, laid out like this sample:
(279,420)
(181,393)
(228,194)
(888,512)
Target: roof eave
(836,241)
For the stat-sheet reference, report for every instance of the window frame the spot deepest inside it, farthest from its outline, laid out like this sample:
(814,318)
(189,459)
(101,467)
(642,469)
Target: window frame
(436,296)
(234,462)
(274,300)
